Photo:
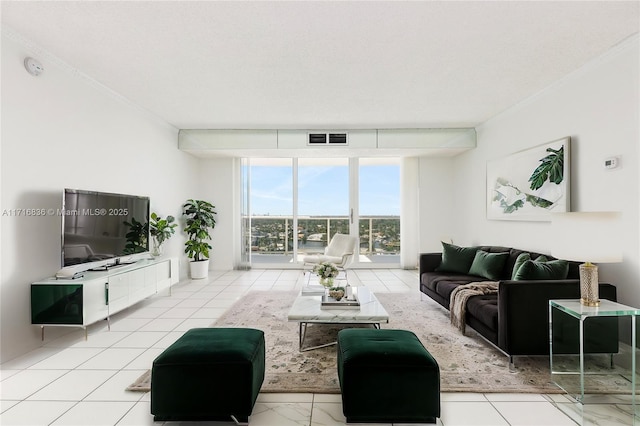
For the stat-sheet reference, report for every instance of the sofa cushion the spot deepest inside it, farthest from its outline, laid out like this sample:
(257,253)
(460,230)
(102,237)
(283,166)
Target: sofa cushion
(523,257)
(432,280)
(485,309)
(445,288)
(488,265)
(535,270)
(456,259)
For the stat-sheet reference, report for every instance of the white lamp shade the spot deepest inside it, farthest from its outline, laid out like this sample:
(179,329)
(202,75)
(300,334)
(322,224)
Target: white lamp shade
(586,236)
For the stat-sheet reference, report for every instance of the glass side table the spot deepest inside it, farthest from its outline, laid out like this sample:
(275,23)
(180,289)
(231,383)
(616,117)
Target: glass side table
(605,336)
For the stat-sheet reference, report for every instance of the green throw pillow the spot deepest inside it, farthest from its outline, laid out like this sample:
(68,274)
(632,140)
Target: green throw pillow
(488,265)
(523,257)
(535,270)
(456,259)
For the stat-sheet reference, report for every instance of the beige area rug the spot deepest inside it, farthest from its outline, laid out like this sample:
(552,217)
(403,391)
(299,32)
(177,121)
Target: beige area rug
(467,363)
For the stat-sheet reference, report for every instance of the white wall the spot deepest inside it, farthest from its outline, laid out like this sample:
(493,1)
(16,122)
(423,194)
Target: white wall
(598,107)
(436,203)
(410,212)
(62,130)
(218,185)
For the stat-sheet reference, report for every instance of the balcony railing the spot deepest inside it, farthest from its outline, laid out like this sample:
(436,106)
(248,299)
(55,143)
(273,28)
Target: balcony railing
(274,234)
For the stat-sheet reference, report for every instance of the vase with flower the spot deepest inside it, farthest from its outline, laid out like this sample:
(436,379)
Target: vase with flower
(326,272)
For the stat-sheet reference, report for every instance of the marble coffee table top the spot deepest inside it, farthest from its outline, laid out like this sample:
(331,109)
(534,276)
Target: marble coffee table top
(306,308)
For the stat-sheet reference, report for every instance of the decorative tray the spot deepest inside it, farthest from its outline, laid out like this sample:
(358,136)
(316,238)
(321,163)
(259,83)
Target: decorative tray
(329,302)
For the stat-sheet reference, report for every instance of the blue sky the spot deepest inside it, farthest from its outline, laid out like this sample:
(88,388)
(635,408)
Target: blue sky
(323,190)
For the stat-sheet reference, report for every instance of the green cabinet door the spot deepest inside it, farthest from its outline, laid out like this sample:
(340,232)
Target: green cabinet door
(56,304)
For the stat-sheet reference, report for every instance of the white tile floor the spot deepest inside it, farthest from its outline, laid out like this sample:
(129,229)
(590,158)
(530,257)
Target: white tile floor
(73,381)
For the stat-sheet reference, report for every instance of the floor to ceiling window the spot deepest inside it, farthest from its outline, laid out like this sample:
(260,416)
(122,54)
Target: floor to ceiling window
(271,210)
(323,202)
(297,204)
(379,210)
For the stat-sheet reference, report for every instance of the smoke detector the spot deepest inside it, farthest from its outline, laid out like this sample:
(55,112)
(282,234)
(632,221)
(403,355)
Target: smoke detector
(33,67)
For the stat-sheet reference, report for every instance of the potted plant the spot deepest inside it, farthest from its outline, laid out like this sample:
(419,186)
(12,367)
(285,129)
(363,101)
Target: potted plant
(200,219)
(160,230)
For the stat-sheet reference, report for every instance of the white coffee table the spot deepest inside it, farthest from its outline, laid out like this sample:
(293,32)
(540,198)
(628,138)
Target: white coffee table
(306,309)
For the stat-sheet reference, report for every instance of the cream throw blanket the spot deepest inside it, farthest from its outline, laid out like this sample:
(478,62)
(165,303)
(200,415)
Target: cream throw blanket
(462,293)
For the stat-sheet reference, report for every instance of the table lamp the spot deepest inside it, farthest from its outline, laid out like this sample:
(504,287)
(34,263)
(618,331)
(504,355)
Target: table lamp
(590,237)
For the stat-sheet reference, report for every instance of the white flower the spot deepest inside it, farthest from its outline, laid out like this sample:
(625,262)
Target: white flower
(326,270)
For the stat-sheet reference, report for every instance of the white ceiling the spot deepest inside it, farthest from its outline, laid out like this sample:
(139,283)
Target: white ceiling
(297,65)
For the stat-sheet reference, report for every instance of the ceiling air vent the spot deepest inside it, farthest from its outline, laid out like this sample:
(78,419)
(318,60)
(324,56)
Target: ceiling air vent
(327,139)
(338,138)
(317,138)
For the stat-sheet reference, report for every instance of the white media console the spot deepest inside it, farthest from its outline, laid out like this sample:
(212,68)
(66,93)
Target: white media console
(97,295)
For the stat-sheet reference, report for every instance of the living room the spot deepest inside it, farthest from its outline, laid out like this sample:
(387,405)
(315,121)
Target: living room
(67,129)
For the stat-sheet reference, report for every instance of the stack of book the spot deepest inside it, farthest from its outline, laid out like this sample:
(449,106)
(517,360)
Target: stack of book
(313,290)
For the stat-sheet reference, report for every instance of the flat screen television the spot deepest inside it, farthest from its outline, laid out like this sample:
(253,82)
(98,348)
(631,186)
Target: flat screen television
(100,226)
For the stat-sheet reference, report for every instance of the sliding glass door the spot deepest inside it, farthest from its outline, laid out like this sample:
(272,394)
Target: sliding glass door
(298,204)
(323,202)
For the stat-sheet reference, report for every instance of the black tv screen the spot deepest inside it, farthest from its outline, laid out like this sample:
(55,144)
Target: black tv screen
(99,226)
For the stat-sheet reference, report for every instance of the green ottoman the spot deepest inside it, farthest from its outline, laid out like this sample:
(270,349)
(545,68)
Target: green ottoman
(208,374)
(387,376)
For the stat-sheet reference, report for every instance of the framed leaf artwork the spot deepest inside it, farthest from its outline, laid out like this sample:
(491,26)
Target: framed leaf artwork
(530,184)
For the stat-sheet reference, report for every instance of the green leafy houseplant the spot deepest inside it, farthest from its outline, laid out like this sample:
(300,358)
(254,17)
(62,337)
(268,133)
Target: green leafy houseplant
(136,236)
(200,219)
(161,230)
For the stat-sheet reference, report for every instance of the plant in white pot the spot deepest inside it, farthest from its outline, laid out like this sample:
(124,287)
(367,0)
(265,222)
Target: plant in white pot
(200,219)
(161,230)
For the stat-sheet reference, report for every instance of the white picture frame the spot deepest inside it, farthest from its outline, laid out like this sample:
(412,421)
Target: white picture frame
(531,184)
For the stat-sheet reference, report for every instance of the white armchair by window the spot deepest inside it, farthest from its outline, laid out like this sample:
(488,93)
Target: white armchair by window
(340,252)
